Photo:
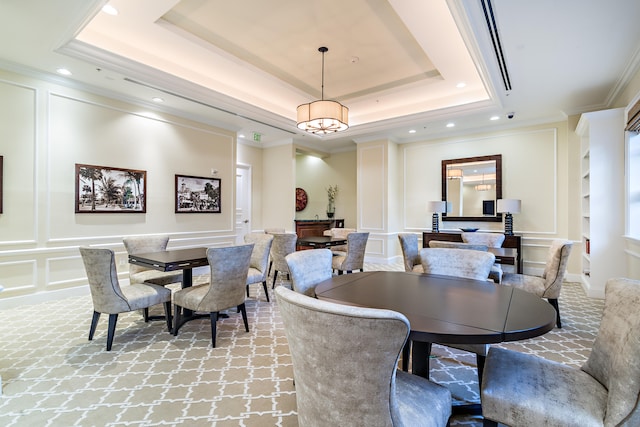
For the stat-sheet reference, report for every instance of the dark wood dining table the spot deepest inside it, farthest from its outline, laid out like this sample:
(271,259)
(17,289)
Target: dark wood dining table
(445,309)
(316,242)
(173,259)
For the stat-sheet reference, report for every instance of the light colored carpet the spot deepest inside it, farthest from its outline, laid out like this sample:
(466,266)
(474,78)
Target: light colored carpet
(53,376)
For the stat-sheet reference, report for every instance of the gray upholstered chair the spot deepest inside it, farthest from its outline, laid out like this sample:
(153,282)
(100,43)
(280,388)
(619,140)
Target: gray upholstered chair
(345,374)
(273,230)
(525,390)
(108,297)
(229,267)
(145,244)
(410,254)
(549,285)
(339,233)
(495,273)
(353,259)
(492,240)
(471,264)
(283,244)
(259,267)
(308,268)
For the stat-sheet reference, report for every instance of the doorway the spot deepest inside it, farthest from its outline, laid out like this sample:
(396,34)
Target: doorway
(243,202)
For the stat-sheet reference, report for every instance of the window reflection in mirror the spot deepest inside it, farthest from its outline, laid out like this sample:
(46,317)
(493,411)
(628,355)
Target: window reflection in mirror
(472,186)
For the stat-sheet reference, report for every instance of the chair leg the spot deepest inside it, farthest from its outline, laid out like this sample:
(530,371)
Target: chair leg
(266,289)
(145,314)
(214,319)
(554,303)
(167,314)
(275,274)
(177,318)
(406,352)
(243,310)
(269,270)
(247,291)
(94,323)
(113,319)
(480,359)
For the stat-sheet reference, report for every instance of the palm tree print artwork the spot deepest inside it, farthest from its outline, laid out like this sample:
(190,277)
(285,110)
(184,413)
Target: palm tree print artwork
(196,194)
(103,189)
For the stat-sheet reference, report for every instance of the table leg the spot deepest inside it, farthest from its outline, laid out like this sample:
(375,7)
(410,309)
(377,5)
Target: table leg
(420,358)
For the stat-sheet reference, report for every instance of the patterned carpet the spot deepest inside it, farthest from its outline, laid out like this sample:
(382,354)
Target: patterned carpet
(53,376)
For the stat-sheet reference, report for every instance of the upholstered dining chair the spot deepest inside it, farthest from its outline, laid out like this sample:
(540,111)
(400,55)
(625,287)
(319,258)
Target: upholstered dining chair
(109,298)
(492,240)
(283,244)
(308,268)
(259,267)
(229,267)
(273,230)
(525,390)
(468,263)
(145,244)
(471,264)
(495,273)
(549,285)
(410,254)
(339,233)
(341,378)
(353,259)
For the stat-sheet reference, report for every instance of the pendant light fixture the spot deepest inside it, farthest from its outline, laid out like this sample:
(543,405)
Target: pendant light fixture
(323,116)
(483,186)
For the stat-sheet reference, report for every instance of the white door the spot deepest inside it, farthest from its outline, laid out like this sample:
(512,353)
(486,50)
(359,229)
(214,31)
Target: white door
(243,202)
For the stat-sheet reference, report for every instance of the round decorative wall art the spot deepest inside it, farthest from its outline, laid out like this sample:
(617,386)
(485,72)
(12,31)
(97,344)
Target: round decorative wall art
(301,199)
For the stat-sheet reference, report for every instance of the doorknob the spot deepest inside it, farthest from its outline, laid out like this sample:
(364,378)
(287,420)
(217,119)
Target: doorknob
(246,221)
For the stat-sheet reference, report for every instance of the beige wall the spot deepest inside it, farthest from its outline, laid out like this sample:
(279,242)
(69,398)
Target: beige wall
(45,130)
(278,187)
(315,175)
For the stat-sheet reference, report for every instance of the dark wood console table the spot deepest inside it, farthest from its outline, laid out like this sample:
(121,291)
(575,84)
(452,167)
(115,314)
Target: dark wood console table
(315,227)
(513,241)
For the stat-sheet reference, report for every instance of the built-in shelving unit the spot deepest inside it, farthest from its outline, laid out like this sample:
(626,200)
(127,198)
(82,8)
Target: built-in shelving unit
(602,190)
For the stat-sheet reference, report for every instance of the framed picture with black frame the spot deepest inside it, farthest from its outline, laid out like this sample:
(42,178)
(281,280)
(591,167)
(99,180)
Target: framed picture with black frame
(196,194)
(106,189)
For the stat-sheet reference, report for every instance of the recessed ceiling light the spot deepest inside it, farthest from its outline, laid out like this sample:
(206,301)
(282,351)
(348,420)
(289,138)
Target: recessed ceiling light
(461,85)
(412,131)
(241,136)
(450,125)
(494,118)
(157,99)
(63,71)
(109,10)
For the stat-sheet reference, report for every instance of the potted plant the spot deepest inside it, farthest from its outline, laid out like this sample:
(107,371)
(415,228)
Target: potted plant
(332,191)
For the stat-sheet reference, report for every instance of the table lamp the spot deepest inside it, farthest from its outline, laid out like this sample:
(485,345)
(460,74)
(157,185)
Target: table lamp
(508,207)
(436,207)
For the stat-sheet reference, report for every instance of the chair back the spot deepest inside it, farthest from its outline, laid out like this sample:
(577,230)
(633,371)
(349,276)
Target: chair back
(144,244)
(229,267)
(260,256)
(283,245)
(274,230)
(465,263)
(556,267)
(344,372)
(409,246)
(614,360)
(106,294)
(308,268)
(492,240)
(356,246)
(457,245)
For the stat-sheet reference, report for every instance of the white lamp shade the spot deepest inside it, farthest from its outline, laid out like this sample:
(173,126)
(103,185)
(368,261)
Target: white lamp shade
(509,205)
(437,206)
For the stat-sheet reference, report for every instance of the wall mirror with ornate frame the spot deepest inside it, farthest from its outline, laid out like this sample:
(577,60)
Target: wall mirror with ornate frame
(472,186)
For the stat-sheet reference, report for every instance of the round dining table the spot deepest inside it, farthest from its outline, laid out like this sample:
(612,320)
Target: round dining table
(445,309)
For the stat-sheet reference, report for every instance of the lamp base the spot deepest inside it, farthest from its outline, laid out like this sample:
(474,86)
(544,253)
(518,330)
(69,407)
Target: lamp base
(508,224)
(435,223)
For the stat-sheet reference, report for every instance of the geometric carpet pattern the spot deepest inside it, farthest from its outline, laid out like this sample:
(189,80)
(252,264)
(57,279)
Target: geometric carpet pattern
(53,376)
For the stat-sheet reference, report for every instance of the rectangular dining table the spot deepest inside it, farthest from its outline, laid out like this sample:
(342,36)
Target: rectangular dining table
(317,242)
